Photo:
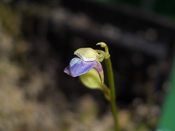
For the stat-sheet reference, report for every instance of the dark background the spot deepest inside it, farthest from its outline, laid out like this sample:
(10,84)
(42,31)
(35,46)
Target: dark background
(38,40)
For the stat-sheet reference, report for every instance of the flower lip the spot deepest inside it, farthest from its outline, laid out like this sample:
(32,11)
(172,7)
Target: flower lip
(78,67)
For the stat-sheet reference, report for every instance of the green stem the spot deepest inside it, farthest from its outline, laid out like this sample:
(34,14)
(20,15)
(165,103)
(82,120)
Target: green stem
(111,85)
(106,91)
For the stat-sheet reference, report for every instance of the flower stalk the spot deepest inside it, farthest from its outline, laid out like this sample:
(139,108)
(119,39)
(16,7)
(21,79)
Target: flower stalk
(112,99)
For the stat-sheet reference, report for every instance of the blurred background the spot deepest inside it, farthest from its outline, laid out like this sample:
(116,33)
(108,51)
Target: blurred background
(37,41)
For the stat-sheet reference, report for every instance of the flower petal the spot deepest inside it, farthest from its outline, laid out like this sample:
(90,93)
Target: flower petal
(99,69)
(91,79)
(87,54)
(78,67)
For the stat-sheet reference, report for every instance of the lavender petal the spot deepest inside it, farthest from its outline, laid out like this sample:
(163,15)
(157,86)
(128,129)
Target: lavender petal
(78,67)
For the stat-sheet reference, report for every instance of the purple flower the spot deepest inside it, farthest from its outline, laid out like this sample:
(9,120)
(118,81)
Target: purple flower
(88,59)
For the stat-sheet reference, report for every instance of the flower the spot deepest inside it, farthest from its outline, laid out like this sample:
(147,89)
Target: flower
(89,69)
(87,59)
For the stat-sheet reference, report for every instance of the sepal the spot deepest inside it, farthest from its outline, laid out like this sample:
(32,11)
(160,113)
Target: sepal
(86,54)
(91,79)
